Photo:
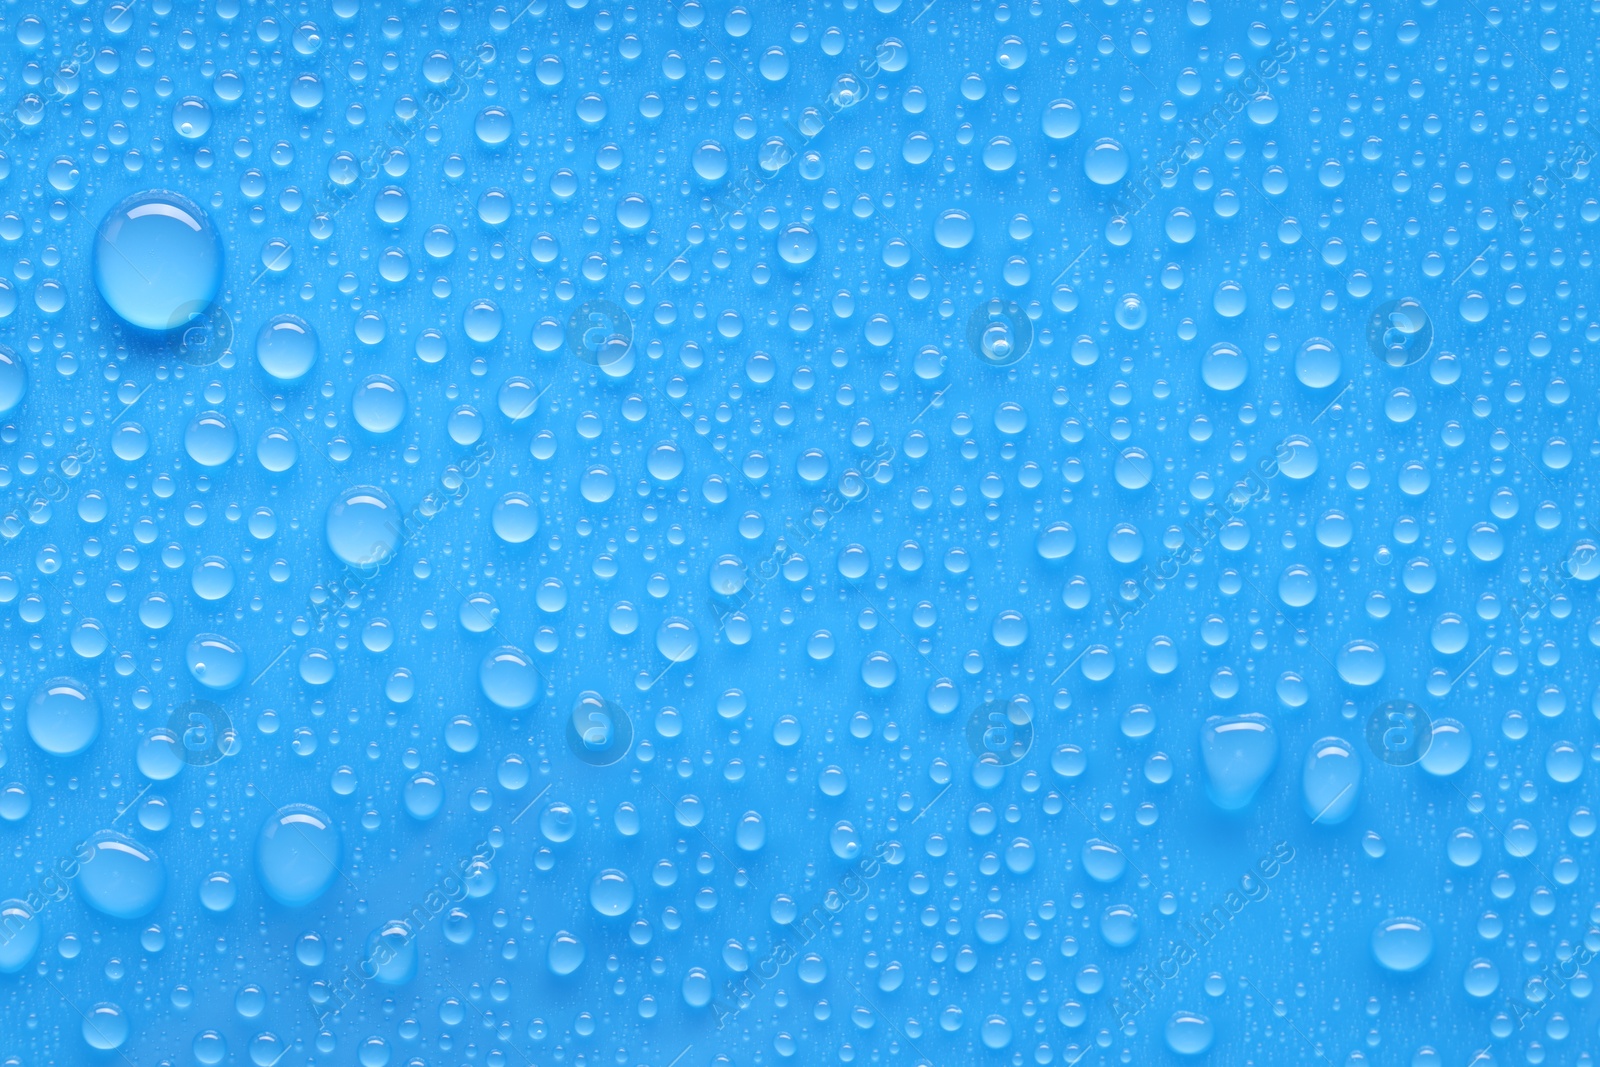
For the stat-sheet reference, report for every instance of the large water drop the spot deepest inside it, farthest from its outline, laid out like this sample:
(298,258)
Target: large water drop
(63,717)
(122,878)
(1402,945)
(1239,753)
(297,854)
(157,260)
(363,526)
(1330,782)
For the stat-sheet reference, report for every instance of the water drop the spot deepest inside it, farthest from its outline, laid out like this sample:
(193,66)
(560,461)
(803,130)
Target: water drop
(157,261)
(287,347)
(122,878)
(1238,753)
(1330,783)
(363,526)
(1402,945)
(63,717)
(298,852)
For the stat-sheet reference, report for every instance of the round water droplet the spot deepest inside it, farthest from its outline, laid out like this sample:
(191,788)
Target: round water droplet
(1189,1033)
(191,118)
(677,639)
(1317,363)
(211,440)
(424,796)
(797,243)
(63,717)
(298,852)
(879,670)
(363,526)
(1056,541)
(157,261)
(1449,748)
(277,451)
(379,404)
(611,893)
(215,661)
(122,878)
(515,518)
(482,321)
(1119,926)
(1103,861)
(1061,119)
(1106,162)
(105,1027)
(665,461)
(218,893)
(1402,945)
(1010,628)
(1482,978)
(287,347)
(509,679)
(392,955)
(1224,368)
(953,228)
(710,160)
(1360,662)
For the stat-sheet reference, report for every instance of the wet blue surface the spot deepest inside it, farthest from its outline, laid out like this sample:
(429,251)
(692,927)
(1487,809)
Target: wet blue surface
(858,533)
